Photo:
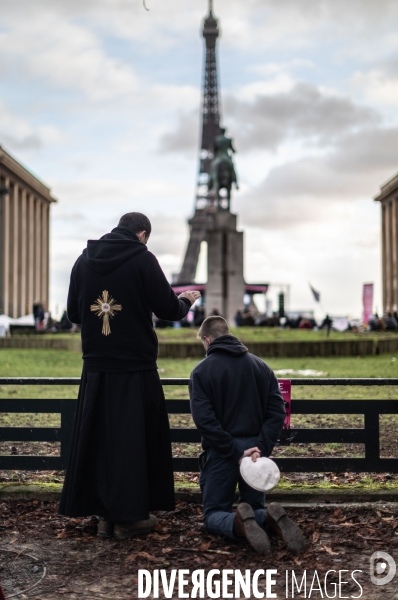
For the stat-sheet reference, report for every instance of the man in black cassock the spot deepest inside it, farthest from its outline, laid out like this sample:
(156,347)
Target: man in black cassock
(120,463)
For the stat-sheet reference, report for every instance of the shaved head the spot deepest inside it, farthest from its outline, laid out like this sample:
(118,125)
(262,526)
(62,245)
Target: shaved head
(214,327)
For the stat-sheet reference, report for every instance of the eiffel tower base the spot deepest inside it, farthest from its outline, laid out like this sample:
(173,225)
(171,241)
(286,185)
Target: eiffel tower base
(225,285)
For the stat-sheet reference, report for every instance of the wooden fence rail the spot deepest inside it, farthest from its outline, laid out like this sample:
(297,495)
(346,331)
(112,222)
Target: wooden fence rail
(369,435)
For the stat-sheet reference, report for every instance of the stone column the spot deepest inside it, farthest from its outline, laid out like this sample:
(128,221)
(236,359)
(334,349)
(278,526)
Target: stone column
(44,254)
(215,288)
(225,284)
(394,245)
(387,305)
(384,252)
(38,250)
(24,271)
(31,253)
(391,253)
(235,279)
(6,250)
(15,251)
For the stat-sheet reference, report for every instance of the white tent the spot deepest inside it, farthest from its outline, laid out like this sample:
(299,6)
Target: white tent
(25,320)
(5,321)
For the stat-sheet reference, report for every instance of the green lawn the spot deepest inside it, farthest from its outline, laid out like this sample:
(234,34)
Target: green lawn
(60,363)
(63,363)
(267,334)
(254,334)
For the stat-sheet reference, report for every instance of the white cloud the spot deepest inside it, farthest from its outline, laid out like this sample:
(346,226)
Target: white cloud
(264,119)
(296,256)
(65,55)
(378,85)
(17,133)
(91,91)
(312,188)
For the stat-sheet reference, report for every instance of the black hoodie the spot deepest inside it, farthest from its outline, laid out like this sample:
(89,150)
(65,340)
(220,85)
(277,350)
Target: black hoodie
(115,286)
(235,394)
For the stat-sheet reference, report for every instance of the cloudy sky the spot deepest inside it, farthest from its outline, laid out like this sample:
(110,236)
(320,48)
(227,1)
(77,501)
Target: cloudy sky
(101,99)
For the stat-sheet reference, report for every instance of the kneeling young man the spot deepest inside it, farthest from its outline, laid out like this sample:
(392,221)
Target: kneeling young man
(238,409)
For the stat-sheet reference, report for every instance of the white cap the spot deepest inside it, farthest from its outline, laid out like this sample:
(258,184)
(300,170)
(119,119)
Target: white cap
(262,475)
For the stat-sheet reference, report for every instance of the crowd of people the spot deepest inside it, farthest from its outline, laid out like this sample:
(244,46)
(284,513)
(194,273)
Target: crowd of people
(45,323)
(389,322)
(246,317)
(249,316)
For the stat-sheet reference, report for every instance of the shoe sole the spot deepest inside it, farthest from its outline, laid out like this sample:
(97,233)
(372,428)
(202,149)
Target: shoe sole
(287,529)
(256,536)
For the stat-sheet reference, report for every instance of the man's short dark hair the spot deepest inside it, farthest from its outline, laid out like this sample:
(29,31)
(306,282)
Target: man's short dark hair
(136,222)
(214,327)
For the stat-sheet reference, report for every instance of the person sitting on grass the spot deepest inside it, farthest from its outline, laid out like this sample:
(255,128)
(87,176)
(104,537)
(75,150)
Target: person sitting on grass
(238,409)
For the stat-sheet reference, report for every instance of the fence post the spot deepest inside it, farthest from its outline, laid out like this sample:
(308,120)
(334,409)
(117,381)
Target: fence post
(67,420)
(372,434)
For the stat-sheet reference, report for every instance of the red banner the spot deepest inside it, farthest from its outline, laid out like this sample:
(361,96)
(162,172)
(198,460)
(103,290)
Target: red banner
(367,300)
(285,386)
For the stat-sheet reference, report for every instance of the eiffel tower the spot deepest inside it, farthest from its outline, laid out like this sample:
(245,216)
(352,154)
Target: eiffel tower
(205,201)
(213,221)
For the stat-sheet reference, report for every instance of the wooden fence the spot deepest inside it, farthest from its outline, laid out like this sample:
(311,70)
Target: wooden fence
(276,349)
(369,435)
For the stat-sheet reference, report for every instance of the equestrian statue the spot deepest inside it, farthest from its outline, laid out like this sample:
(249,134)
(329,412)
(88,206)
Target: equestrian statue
(222,170)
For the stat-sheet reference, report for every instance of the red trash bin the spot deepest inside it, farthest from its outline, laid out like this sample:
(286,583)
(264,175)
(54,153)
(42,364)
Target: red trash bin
(2,597)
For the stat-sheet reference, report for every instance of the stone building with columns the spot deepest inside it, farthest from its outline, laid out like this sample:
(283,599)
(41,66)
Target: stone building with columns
(24,238)
(388,197)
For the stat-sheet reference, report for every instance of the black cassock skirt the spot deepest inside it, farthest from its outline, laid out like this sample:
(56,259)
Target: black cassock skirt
(120,463)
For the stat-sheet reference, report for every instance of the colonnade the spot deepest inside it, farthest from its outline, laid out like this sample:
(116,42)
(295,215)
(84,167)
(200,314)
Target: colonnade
(24,244)
(388,198)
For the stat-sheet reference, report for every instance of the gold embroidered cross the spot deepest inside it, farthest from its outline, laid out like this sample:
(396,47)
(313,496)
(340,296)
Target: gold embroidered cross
(106,308)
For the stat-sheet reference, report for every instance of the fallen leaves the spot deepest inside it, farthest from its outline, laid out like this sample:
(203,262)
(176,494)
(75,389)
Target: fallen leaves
(204,547)
(65,534)
(157,537)
(181,541)
(205,551)
(330,551)
(143,555)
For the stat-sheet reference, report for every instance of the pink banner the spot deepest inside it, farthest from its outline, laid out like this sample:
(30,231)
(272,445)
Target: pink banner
(285,386)
(367,299)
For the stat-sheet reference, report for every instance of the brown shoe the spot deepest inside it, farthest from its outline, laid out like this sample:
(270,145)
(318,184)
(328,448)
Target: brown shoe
(105,528)
(123,531)
(278,523)
(245,526)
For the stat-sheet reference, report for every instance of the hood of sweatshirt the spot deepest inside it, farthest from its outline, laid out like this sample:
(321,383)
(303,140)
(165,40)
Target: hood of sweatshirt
(113,249)
(227,343)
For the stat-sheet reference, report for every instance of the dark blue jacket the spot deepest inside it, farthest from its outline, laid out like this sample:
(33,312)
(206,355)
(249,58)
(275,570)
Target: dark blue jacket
(235,394)
(115,286)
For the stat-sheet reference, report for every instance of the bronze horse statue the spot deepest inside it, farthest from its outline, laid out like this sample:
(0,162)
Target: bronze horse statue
(222,171)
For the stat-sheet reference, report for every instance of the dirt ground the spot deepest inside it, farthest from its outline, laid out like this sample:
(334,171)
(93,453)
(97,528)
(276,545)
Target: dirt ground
(65,559)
